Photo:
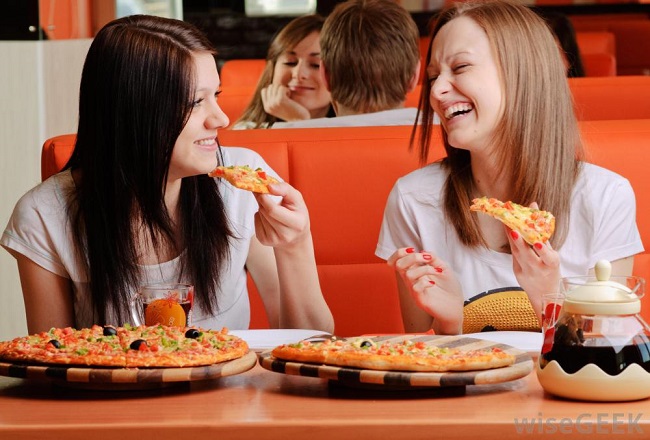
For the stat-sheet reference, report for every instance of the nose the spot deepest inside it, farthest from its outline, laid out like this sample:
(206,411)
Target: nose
(299,70)
(440,87)
(217,118)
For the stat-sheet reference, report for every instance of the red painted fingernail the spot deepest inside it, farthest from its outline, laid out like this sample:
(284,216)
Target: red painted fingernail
(426,256)
(514,235)
(432,282)
(538,246)
(410,250)
(439,269)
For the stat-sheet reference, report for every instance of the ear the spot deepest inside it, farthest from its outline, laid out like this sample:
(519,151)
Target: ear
(415,78)
(324,74)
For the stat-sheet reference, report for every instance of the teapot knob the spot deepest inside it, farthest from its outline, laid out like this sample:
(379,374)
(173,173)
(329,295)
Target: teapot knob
(603,270)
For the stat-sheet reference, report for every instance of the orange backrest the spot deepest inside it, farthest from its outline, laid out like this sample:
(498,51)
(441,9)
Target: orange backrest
(241,73)
(599,64)
(611,97)
(632,40)
(623,146)
(596,42)
(55,154)
(345,174)
(233,101)
(631,34)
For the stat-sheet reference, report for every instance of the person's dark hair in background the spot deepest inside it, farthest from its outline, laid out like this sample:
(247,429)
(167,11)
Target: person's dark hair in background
(565,35)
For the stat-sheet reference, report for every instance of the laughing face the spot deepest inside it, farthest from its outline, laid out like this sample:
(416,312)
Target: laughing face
(195,149)
(466,90)
(298,69)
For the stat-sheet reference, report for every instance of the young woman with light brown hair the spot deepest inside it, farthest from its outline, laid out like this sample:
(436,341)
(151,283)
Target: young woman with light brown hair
(290,87)
(498,83)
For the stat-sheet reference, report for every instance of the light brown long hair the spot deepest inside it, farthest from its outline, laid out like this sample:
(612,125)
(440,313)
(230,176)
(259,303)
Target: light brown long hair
(288,38)
(370,50)
(537,140)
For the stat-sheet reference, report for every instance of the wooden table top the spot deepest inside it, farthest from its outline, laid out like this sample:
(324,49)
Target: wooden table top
(261,404)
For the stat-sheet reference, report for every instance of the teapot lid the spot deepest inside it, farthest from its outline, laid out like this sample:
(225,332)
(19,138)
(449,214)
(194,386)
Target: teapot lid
(602,297)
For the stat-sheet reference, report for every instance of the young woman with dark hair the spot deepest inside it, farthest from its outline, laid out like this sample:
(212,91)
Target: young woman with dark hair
(134,204)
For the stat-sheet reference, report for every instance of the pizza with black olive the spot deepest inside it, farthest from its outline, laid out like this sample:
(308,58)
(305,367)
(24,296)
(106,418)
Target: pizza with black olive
(143,346)
(404,355)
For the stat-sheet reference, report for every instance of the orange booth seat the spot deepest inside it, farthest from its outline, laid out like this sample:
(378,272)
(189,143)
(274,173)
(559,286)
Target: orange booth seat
(631,36)
(598,53)
(596,42)
(599,64)
(613,97)
(346,208)
(234,100)
(241,73)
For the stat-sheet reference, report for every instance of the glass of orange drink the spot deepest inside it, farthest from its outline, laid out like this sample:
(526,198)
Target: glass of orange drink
(166,304)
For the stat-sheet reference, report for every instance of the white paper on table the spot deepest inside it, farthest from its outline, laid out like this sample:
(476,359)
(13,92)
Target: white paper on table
(530,342)
(266,339)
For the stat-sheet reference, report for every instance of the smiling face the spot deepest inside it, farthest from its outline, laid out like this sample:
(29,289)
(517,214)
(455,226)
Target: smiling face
(466,90)
(195,149)
(298,69)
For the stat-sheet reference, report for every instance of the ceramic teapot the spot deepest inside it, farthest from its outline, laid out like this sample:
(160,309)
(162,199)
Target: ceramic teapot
(598,347)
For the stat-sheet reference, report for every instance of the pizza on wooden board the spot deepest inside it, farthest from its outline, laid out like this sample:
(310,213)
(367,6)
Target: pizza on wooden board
(405,355)
(125,347)
(534,225)
(244,177)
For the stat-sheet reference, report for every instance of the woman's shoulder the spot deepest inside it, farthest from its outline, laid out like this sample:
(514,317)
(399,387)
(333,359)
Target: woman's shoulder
(429,178)
(596,184)
(594,176)
(52,193)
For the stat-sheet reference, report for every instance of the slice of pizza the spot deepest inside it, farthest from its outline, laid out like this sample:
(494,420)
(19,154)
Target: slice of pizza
(244,177)
(534,225)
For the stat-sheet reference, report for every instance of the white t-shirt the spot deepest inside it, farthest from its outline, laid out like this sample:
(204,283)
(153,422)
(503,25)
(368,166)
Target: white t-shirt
(602,226)
(39,228)
(399,116)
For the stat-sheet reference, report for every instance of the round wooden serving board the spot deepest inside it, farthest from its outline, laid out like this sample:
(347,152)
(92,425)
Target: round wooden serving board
(405,379)
(126,378)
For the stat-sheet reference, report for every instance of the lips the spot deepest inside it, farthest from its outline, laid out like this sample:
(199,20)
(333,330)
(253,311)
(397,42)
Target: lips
(300,88)
(206,142)
(457,110)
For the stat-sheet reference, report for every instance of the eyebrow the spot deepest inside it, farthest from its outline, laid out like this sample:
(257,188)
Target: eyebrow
(313,54)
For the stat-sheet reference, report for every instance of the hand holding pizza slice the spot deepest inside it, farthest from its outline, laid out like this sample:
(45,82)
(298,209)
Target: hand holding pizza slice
(534,225)
(244,177)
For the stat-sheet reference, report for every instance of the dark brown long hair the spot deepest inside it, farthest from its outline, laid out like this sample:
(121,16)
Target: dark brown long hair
(538,138)
(137,87)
